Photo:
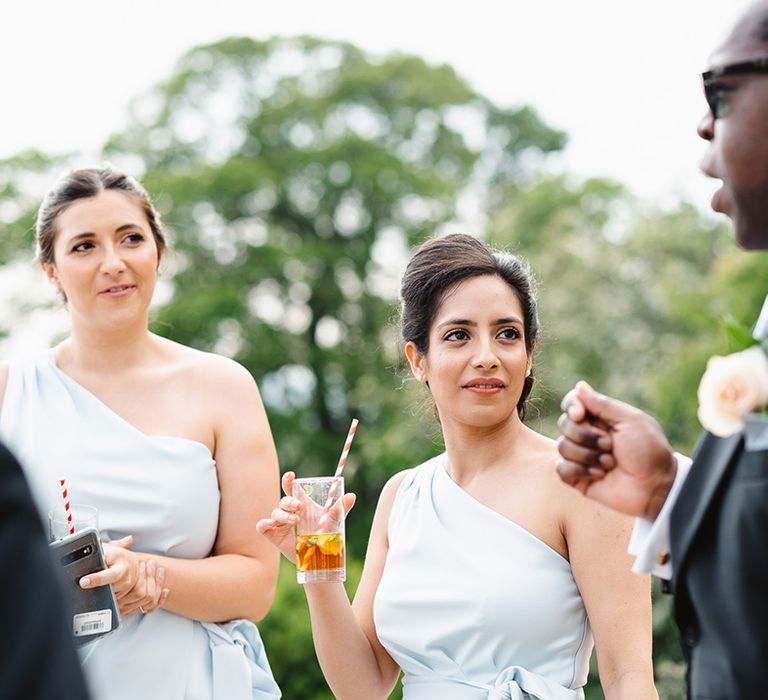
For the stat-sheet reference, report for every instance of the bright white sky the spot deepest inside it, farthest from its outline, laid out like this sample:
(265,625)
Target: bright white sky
(620,76)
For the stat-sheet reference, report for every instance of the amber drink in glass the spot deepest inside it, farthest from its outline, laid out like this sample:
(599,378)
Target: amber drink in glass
(320,551)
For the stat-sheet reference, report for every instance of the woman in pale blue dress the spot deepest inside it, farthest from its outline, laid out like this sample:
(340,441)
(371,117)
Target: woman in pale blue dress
(485,578)
(172,446)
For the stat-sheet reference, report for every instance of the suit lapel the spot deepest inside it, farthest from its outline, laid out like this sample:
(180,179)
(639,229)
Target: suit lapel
(709,466)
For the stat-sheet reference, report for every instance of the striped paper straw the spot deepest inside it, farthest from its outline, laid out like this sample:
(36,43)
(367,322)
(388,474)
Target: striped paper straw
(67,509)
(342,462)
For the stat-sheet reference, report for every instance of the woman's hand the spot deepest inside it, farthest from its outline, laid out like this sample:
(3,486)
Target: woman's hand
(137,584)
(279,529)
(148,594)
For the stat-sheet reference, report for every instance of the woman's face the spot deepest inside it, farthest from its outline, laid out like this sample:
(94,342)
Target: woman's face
(105,260)
(477,361)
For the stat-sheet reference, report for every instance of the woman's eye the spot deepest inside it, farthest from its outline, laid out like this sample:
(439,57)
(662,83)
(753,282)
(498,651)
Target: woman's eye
(134,238)
(458,334)
(509,333)
(82,247)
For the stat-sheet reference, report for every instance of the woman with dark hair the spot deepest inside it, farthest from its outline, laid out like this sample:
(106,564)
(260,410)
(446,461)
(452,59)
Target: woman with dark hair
(485,577)
(170,444)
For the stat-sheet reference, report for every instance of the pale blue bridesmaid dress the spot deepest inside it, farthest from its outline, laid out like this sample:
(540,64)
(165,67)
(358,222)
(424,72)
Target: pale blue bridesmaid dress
(473,606)
(162,490)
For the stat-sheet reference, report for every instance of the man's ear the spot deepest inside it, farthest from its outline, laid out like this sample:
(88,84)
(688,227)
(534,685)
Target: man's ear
(416,361)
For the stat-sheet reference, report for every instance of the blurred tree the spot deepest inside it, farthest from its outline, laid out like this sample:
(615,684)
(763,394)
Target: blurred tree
(295,174)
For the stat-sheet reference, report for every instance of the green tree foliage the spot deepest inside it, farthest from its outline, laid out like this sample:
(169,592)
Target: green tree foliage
(294,174)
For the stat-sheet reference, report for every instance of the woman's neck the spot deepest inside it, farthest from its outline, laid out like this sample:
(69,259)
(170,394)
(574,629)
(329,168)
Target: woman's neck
(471,450)
(90,350)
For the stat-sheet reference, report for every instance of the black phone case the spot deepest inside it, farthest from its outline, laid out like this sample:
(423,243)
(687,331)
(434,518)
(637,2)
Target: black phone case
(90,620)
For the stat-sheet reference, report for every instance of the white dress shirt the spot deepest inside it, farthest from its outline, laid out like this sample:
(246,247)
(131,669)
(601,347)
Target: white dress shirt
(650,538)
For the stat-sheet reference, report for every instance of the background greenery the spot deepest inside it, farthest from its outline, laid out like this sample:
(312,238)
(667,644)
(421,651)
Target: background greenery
(295,174)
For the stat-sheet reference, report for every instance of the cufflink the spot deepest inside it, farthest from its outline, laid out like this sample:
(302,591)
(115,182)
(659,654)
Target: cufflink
(662,559)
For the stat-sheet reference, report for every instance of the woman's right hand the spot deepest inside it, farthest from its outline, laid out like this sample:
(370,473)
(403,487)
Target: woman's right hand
(280,528)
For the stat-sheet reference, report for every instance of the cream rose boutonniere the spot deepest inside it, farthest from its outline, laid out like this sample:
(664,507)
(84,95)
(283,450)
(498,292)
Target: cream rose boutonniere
(732,387)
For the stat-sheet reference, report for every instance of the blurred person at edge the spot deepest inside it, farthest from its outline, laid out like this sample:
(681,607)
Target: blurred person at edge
(485,576)
(702,525)
(172,445)
(38,660)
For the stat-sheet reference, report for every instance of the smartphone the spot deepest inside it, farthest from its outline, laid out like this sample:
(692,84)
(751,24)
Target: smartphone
(94,610)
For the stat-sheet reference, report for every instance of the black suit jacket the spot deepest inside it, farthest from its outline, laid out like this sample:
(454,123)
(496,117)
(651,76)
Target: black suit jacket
(37,656)
(719,543)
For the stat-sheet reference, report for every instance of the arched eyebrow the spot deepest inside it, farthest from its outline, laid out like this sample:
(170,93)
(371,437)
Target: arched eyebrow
(466,322)
(91,234)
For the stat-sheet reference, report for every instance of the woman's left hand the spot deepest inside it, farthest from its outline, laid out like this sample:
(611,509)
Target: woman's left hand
(137,587)
(148,594)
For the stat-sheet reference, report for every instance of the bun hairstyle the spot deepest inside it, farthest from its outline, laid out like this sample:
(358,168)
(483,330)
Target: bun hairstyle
(438,266)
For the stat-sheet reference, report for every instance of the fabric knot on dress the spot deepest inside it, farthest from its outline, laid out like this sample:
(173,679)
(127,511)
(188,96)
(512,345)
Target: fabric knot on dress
(516,683)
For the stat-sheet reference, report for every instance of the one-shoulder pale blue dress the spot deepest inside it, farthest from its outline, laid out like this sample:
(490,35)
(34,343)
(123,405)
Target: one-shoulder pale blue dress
(474,607)
(163,491)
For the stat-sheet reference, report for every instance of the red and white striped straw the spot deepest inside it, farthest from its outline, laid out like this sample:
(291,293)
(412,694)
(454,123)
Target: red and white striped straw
(67,509)
(342,462)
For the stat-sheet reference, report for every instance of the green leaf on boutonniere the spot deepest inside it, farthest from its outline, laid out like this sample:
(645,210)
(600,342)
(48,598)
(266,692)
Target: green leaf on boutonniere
(739,336)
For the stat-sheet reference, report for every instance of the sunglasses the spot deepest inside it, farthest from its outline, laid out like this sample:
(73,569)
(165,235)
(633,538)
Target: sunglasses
(714,93)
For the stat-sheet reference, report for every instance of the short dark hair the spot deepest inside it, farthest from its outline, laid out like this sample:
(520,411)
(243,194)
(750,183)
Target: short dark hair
(439,265)
(82,184)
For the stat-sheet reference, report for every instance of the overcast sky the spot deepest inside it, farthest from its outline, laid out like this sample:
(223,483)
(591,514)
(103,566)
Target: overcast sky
(620,77)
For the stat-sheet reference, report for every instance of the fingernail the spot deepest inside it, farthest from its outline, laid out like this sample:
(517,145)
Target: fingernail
(85,582)
(594,471)
(126,538)
(161,573)
(152,567)
(142,567)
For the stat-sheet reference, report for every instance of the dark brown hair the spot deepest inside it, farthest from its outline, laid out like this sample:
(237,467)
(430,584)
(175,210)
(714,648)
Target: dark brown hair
(82,184)
(438,266)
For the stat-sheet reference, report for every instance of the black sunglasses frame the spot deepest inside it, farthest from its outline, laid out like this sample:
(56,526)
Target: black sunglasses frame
(709,79)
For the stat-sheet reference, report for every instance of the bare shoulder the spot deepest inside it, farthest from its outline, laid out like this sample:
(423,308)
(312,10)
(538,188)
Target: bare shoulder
(586,518)
(542,455)
(223,371)
(565,503)
(207,369)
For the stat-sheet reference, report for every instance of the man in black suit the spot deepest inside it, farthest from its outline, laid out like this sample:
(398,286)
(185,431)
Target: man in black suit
(703,527)
(37,655)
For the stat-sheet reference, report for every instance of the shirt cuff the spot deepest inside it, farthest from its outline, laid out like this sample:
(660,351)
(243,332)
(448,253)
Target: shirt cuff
(650,538)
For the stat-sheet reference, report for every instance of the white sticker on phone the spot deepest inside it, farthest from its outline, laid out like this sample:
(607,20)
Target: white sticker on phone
(94,622)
